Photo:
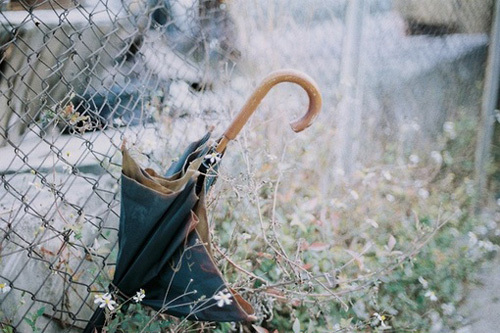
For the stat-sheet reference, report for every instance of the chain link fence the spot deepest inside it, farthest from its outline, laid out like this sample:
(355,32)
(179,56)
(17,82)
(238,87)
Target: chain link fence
(79,77)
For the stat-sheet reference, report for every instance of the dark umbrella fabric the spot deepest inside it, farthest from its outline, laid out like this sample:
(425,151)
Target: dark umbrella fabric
(164,242)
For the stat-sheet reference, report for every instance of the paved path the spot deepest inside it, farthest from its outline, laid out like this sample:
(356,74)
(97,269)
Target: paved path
(482,308)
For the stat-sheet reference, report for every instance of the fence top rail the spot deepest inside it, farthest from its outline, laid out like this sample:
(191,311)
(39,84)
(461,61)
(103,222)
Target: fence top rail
(57,16)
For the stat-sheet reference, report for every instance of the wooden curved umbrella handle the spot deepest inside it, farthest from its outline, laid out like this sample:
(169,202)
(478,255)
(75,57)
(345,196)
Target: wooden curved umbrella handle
(285,75)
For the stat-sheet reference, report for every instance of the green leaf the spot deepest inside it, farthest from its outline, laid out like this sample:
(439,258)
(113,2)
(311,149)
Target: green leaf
(345,323)
(40,311)
(296,326)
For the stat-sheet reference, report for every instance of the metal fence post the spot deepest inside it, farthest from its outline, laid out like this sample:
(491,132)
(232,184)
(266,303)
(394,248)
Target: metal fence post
(351,90)
(488,103)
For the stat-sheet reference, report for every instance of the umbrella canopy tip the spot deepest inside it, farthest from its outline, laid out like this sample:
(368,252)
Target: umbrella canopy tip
(124,144)
(252,318)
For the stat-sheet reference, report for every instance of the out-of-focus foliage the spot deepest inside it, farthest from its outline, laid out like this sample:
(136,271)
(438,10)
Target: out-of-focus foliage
(395,249)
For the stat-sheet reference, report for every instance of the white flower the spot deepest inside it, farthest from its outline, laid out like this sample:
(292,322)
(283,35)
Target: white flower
(423,193)
(223,298)
(372,222)
(431,295)
(482,230)
(448,308)
(67,168)
(487,246)
(118,122)
(437,157)
(381,320)
(213,157)
(213,44)
(449,128)
(423,282)
(414,159)
(139,296)
(245,236)
(472,239)
(4,288)
(105,301)
(390,197)
(354,194)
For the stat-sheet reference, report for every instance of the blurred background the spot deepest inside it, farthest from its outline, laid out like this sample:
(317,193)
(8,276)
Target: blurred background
(387,205)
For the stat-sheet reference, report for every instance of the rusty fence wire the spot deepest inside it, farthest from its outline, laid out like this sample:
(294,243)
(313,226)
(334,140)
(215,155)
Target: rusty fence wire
(79,77)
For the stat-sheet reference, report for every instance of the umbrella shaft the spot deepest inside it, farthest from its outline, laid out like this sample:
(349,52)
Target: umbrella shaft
(222,144)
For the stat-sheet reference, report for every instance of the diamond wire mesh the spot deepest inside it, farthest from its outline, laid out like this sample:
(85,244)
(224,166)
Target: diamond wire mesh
(78,78)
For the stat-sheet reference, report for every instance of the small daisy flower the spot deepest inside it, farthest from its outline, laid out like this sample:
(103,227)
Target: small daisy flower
(449,128)
(372,222)
(448,308)
(431,295)
(67,168)
(414,159)
(105,301)
(213,157)
(246,236)
(118,122)
(423,193)
(354,194)
(423,282)
(472,239)
(223,298)
(214,43)
(4,288)
(381,320)
(437,157)
(139,296)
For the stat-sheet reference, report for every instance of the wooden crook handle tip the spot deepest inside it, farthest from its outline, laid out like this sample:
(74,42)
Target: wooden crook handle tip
(270,81)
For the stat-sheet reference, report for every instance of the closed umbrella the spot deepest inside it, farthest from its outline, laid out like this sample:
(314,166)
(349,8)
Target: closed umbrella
(164,241)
